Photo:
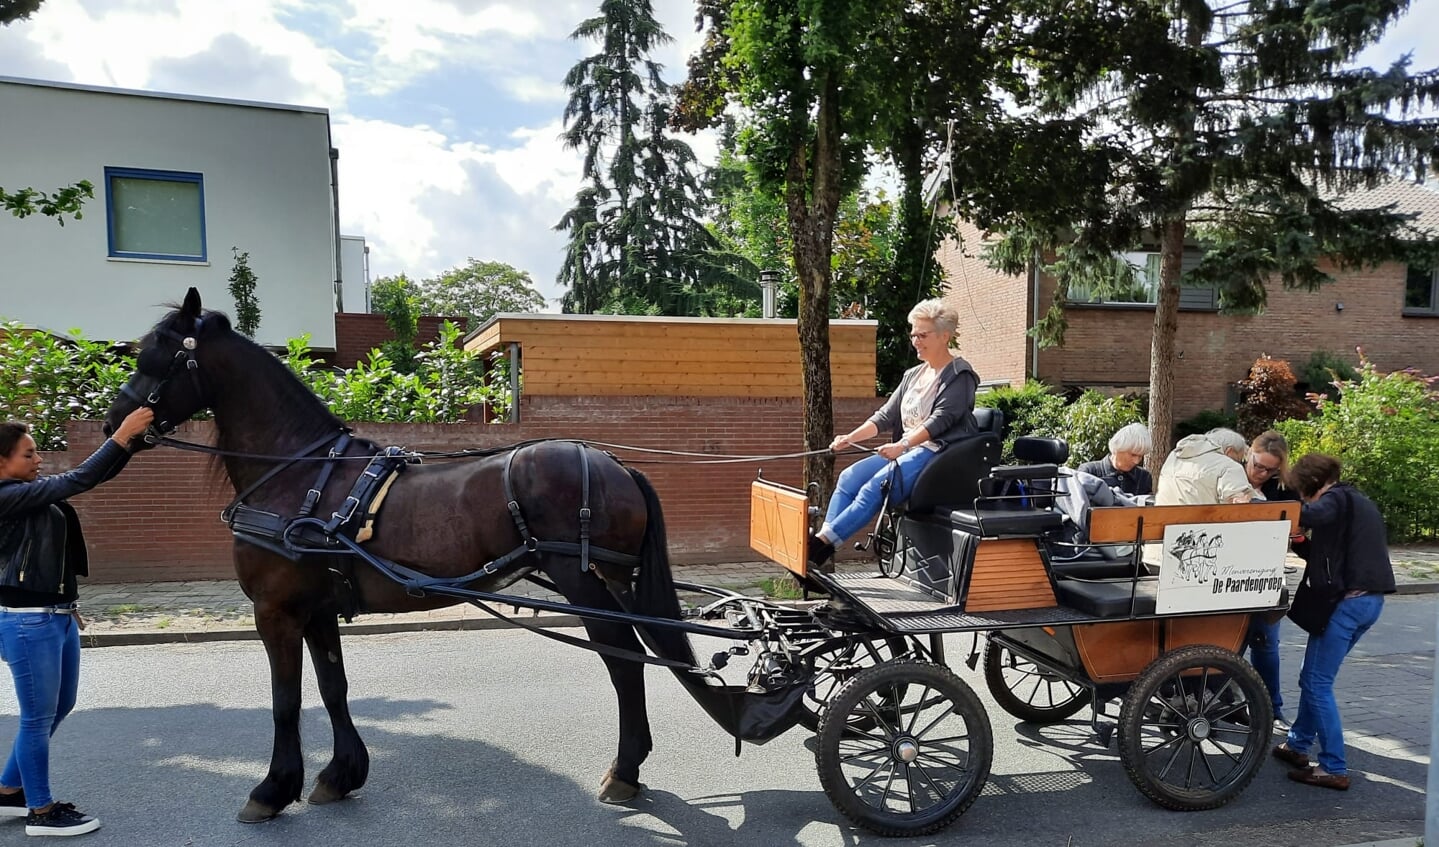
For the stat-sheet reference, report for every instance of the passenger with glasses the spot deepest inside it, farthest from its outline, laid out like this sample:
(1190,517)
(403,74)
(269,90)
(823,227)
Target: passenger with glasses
(933,407)
(1265,463)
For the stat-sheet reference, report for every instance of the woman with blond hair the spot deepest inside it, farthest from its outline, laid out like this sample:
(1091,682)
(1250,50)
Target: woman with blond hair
(933,406)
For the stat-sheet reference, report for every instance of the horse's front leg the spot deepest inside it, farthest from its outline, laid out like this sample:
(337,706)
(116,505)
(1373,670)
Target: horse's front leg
(350,764)
(281,631)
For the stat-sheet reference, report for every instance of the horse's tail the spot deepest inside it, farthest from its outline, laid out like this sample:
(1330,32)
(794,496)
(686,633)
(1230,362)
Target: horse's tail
(655,585)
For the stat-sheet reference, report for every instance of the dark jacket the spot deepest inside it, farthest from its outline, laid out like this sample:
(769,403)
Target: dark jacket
(1275,489)
(1136,480)
(1361,564)
(42,549)
(952,417)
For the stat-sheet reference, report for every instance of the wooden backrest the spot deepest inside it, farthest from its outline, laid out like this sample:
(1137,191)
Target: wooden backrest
(1120,524)
(779,525)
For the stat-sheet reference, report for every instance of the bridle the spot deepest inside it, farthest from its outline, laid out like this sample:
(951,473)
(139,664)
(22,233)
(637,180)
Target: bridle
(146,389)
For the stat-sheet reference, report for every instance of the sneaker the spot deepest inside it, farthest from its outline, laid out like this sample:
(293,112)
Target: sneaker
(13,805)
(62,819)
(1281,725)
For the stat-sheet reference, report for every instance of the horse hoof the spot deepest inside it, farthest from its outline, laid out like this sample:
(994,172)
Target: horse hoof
(256,813)
(324,793)
(616,791)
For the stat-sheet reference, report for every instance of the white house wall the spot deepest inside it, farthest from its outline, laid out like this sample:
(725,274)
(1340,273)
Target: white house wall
(354,274)
(266,188)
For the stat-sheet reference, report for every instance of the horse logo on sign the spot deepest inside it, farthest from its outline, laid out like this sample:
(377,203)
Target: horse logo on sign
(1198,554)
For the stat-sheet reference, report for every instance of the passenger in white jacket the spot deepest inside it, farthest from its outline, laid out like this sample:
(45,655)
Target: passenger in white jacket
(1206,470)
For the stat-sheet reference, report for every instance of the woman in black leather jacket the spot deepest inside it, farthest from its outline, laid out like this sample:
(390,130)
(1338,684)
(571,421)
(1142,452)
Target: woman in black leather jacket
(41,553)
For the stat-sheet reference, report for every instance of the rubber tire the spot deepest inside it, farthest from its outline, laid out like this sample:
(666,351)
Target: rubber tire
(1131,719)
(910,674)
(813,707)
(994,655)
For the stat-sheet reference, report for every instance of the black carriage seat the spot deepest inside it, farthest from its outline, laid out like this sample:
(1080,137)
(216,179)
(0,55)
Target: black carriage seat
(1108,598)
(952,478)
(1001,509)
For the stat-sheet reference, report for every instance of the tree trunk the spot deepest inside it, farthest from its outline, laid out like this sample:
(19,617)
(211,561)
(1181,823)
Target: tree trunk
(1162,361)
(812,194)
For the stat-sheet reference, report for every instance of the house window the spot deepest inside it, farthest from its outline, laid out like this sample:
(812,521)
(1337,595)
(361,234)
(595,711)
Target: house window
(155,214)
(1143,287)
(1421,291)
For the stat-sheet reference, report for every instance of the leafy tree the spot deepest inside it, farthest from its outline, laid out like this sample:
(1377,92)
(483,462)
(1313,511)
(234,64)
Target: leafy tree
(395,298)
(65,201)
(1225,127)
(478,290)
(636,237)
(47,381)
(242,289)
(17,10)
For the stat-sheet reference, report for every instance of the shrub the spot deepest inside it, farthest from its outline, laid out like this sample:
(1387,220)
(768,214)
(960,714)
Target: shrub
(1385,429)
(1323,370)
(1031,408)
(1268,395)
(46,381)
(1204,422)
(1091,419)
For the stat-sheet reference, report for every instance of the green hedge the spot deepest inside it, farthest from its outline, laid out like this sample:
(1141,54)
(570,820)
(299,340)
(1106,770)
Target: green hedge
(1086,423)
(1384,427)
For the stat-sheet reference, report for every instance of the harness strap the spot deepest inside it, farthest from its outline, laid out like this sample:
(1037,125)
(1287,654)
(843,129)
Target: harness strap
(511,501)
(228,514)
(312,497)
(585,563)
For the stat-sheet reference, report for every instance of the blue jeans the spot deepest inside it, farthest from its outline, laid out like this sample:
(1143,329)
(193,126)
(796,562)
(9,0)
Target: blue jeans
(1263,644)
(43,652)
(1318,717)
(858,495)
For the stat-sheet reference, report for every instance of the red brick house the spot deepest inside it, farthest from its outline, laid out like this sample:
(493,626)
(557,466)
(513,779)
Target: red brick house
(1391,311)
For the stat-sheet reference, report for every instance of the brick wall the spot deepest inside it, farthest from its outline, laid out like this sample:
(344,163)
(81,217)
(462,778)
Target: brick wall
(1110,347)
(159,520)
(356,334)
(994,309)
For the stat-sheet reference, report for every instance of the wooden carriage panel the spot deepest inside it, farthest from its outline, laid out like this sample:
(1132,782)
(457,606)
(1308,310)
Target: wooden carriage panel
(1008,574)
(779,525)
(1120,524)
(1118,651)
(1225,631)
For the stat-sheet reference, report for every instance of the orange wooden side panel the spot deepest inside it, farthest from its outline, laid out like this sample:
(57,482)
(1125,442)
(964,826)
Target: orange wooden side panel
(779,525)
(1118,524)
(1008,574)
(1118,651)
(1225,631)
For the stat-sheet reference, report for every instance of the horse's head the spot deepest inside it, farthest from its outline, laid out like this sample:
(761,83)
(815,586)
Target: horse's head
(169,375)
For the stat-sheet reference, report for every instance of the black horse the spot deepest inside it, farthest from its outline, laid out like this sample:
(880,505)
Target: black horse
(444,519)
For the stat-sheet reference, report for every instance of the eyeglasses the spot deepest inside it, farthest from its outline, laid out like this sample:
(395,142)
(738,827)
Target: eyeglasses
(1267,470)
(919,336)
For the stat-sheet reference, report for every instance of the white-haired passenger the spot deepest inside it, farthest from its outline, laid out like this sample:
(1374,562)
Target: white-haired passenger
(1124,468)
(1206,470)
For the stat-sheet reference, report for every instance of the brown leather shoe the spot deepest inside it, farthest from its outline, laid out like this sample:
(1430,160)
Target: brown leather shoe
(1312,776)
(1289,756)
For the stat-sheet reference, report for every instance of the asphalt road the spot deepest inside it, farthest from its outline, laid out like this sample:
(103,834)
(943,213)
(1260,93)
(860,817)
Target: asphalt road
(500,738)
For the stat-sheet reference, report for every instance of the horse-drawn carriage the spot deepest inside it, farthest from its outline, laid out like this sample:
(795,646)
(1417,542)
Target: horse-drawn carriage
(328,525)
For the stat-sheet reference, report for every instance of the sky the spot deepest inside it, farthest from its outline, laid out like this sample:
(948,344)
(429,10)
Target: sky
(446,113)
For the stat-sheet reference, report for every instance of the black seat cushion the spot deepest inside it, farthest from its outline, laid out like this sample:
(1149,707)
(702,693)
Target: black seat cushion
(1005,522)
(1036,450)
(1107,598)
(1095,569)
(952,478)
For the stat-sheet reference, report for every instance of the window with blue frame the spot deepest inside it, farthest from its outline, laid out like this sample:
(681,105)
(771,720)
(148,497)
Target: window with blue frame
(155,214)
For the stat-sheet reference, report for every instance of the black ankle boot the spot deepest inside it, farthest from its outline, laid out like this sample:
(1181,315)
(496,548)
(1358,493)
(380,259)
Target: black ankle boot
(819,551)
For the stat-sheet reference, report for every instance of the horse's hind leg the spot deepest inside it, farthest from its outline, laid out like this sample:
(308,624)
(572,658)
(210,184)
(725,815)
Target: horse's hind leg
(280,631)
(621,783)
(350,764)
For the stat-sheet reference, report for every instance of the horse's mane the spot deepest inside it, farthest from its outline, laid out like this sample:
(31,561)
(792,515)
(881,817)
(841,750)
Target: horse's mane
(297,410)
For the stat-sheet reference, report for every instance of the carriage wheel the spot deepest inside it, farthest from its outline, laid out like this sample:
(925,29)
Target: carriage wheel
(1028,691)
(1194,728)
(837,665)
(922,760)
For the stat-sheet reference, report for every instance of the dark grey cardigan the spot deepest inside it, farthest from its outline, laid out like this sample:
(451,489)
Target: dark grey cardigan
(952,417)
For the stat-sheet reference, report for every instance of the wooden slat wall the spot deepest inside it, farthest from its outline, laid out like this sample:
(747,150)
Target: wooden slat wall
(1118,524)
(1008,574)
(779,525)
(589,355)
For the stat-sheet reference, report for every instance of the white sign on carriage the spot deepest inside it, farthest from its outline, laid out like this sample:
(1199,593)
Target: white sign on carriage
(1216,566)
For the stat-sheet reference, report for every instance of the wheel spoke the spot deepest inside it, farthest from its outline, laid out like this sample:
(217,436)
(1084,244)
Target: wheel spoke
(933,786)
(1213,780)
(959,764)
(871,775)
(1189,771)
(1172,757)
(1223,752)
(1156,748)
(914,718)
(888,784)
(947,739)
(852,756)
(870,707)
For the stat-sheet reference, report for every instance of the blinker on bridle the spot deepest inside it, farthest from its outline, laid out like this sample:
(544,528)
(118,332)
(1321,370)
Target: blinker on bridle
(145,389)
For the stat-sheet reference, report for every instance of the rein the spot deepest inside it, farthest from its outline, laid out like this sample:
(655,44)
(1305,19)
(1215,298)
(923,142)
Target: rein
(304,456)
